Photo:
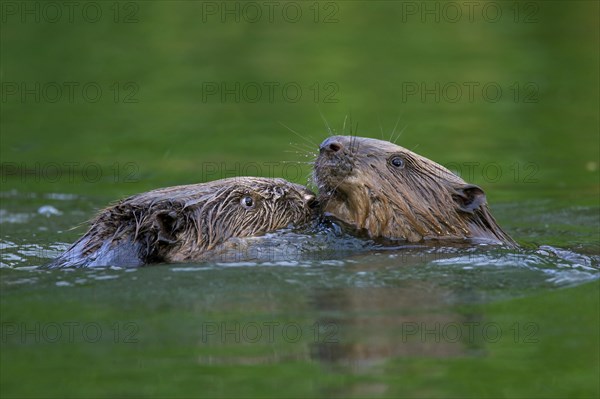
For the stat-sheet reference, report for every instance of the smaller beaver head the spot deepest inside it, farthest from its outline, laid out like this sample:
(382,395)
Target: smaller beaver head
(182,223)
(248,206)
(388,191)
(196,218)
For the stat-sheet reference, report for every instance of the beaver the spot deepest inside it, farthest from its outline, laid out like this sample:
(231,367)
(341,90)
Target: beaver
(385,191)
(188,223)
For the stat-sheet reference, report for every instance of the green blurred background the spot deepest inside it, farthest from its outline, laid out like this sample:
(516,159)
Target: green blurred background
(164,69)
(165,115)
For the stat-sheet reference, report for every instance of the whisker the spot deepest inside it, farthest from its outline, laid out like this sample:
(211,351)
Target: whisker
(302,147)
(298,134)
(355,143)
(325,122)
(297,151)
(301,151)
(350,125)
(309,180)
(394,130)
(399,134)
(299,162)
(303,154)
(333,190)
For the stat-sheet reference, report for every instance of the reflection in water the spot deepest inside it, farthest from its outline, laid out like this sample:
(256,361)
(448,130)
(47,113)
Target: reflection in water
(366,326)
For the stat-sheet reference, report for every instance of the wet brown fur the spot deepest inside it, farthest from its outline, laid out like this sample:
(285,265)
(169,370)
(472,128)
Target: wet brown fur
(360,187)
(184,223)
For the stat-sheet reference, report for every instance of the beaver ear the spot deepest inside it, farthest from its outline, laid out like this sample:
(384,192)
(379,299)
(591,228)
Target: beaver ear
(278,192)
(469,198)
(168,224)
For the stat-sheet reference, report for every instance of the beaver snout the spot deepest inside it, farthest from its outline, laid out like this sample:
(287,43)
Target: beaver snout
(331,145)
(334,162)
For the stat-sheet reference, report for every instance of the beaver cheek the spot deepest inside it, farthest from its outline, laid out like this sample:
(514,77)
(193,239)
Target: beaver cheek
(359,206)
(339,210)
(378,221)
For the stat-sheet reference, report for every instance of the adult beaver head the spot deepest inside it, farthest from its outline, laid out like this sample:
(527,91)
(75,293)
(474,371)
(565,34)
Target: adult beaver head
(186,223)
(388,191)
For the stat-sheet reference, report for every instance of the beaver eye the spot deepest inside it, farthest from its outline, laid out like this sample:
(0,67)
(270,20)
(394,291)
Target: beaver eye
(397,161)
(247,202)
(278,192)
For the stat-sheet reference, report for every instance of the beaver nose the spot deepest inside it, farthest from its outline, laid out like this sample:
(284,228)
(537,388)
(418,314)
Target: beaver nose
(330,145)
